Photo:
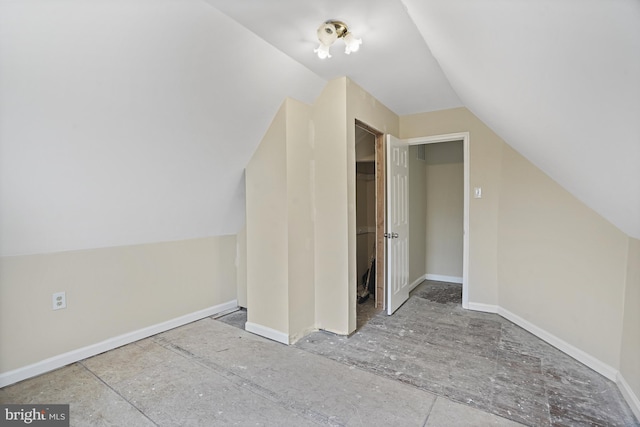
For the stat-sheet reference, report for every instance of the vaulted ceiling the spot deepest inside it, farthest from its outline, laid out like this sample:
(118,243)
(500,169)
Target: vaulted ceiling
(558,80)
(176,95)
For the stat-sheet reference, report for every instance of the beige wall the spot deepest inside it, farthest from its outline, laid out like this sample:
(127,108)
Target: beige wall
(300,213)
(485,149)
(630,349)
(331,222)
(110,292)
(561,266)
(444,192)
(267,230)
(417,216)
(280,229)
(241,266)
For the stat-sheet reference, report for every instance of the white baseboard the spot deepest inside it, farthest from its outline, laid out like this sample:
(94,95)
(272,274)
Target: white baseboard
(576,353)
(582,357)
(265,331)
(73,356)
(441,278)
(631,398)
(588,360)
(486,308)
(417,282)
(434,277)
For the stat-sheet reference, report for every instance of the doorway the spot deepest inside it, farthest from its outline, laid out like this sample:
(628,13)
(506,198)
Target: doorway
(381,260)
(397,229)
(446,155)
(436,212)
(370,253)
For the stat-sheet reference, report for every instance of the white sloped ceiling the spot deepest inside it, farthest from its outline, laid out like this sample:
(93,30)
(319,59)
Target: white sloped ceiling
(126,122)
(559,80)
(131,122)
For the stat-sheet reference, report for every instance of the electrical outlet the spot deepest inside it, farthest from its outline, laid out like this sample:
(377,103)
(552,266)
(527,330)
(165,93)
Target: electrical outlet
(59,300)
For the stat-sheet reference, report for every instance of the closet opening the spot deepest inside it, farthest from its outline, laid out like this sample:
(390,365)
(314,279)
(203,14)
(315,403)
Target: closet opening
(369,223)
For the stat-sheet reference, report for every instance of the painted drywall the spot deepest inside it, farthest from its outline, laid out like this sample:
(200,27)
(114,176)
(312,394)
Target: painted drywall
(331,225)
(630,350)
(267,230)
(121,124)
(110,292)
(444,193)
(301,213)
(561,266)
(485,149)
(241,266)
(280,228)
(417,215)
(300,181)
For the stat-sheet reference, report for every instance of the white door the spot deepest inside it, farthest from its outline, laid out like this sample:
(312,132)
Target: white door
(397,223)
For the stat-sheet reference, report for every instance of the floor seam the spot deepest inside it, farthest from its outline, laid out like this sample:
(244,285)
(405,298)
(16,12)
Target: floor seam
(251,386)
(429,411)
(118,393)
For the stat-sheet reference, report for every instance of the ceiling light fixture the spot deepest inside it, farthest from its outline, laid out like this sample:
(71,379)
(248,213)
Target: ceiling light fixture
(329,32)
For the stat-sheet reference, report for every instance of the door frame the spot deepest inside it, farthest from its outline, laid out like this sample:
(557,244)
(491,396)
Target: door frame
(465,138)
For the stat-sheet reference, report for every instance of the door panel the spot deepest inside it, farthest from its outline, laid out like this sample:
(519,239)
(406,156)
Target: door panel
(397,223)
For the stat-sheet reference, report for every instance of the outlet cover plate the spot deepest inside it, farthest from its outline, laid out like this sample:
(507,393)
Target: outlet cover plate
(59,300)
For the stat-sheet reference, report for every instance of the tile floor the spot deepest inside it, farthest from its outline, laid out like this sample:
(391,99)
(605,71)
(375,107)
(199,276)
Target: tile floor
(431,364)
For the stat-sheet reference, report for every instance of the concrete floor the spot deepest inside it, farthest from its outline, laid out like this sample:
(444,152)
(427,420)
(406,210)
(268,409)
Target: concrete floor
(478,359)
(211,373)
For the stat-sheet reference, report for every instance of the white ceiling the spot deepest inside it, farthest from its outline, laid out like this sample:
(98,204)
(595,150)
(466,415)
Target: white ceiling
(559,80)
(176,95)
(394,63)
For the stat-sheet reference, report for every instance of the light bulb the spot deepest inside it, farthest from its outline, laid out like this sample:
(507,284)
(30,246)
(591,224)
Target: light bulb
(323,51)
(352,44)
